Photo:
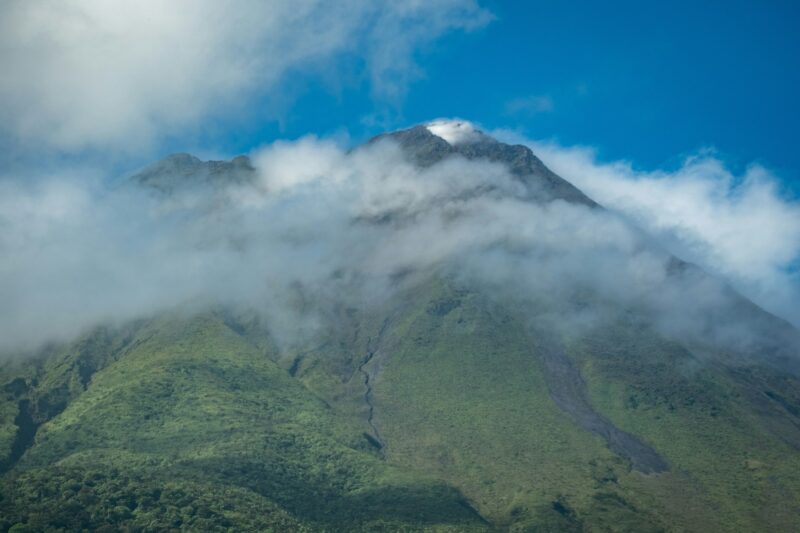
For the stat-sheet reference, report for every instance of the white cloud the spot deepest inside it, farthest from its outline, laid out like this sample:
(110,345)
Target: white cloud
(738,227)
(454,131)
(113,74)
(328,227)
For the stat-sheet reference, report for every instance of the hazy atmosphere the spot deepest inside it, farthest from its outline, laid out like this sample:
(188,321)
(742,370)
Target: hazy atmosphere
(85,108)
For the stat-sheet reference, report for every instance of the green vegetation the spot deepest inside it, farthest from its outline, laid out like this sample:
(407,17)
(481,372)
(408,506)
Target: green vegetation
(719,431)
(223,435)
(435,414)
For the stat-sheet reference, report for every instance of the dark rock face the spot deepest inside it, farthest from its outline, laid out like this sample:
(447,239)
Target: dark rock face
(568,391)
(184,171)
(181,171)
(425,149)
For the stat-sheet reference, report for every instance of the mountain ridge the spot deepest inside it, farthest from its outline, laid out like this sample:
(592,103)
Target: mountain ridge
(426,148)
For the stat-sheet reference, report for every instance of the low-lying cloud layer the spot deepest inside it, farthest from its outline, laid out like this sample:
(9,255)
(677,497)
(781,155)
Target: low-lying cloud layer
(741,228)
(319,224)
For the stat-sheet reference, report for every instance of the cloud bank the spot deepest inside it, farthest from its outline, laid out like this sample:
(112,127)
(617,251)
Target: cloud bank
(118,75)
(741,228)
(318,226)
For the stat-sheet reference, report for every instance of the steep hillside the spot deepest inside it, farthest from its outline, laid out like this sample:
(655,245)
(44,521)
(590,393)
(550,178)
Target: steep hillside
(454,401)
(617,429)
(193,427)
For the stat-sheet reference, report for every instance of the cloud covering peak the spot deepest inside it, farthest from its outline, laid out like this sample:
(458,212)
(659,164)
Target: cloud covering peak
(740,228)
(455,131)
(311,222)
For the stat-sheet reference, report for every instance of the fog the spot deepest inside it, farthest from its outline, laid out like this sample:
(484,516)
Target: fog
(98,84)
(741,227)
(332,226)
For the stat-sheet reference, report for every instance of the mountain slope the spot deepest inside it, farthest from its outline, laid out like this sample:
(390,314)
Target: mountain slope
(194,406)
(460,387)
(449,404)
(426,149)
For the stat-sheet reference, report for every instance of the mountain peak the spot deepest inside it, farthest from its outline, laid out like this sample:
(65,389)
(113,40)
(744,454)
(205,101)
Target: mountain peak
(183,170)
(181,159)
(457,132)
(430,143)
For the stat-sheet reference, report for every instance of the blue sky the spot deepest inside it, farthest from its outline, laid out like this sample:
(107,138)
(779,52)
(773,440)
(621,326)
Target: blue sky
(648,82)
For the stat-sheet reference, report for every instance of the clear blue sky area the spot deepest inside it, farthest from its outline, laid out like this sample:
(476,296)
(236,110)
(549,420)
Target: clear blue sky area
(650,82)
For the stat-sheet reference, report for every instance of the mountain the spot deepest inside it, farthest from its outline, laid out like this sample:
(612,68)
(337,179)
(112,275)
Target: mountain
(454,402)
(181,171)
(425,149)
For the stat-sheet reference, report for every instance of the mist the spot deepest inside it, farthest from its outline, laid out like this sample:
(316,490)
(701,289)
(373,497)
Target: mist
(336,226)
(740,227)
